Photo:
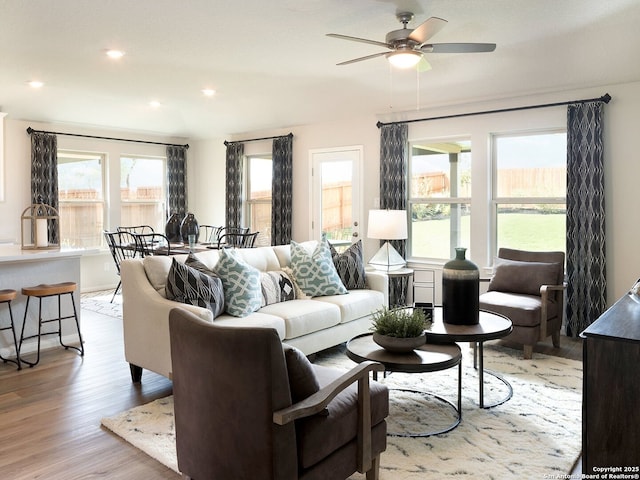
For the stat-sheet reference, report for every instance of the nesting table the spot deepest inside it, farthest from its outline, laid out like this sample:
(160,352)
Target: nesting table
(427,358)
(491,327)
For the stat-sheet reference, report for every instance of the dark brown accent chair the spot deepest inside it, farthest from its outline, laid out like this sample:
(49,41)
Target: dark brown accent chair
(241,412)
(528,288)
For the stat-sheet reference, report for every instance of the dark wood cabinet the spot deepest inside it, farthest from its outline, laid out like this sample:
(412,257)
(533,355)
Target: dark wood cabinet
(611,390)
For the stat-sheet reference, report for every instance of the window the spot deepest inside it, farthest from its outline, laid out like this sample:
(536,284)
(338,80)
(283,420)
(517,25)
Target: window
(142,192)
(439,198)
(530,190)
(258,196)
(81,198)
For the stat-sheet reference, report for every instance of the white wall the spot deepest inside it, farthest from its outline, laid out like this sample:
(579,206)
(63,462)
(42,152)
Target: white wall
(206,177)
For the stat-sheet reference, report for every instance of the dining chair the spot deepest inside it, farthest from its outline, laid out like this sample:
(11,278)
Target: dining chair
(122,245)
(210,234)
(137,229)
(237,240)
(152,244)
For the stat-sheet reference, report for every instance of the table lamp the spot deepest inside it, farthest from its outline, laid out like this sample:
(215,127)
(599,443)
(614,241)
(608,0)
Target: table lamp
(387,225)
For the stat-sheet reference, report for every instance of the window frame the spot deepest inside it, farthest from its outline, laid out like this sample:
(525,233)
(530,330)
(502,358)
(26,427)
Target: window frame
(495,201)
(162,203)
(247,202)
(448,200)
(102,202)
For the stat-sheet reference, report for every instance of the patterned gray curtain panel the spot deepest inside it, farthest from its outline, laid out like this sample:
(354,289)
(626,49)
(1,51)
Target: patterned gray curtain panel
(44,175)
(176,181)
(233,202)
(394,147)
(282,190)
(586,282)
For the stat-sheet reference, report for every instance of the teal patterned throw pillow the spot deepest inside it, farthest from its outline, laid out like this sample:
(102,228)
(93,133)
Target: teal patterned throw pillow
(315,272)
(241,284)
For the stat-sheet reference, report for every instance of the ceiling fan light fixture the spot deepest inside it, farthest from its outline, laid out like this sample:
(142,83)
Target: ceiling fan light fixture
(404,58)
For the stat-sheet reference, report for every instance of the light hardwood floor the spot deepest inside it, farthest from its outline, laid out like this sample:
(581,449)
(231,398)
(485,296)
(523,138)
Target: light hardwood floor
(50,414)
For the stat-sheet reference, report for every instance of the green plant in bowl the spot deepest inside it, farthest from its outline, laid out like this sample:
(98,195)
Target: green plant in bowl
(399,329)
(399,322)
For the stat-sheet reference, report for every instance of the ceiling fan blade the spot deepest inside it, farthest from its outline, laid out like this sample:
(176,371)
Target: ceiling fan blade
(361,40)
(423,65)
(360,59)
(458,47)
(427,29)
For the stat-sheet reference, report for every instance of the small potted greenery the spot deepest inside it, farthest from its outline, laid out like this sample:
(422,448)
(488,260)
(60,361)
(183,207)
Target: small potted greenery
(399,330)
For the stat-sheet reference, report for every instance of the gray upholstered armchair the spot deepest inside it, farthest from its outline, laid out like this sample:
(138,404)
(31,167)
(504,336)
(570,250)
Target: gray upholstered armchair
(527,287)
(245,407)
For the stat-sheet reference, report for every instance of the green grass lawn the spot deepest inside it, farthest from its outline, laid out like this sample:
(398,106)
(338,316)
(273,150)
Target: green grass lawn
(515,230)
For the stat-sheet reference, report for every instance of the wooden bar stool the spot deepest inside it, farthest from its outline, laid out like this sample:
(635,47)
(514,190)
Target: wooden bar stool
(6,296)
(44,291)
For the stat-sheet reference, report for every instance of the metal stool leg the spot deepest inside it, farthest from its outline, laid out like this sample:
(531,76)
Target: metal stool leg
(59,322)
(75,316)
(22,337)
(15,340)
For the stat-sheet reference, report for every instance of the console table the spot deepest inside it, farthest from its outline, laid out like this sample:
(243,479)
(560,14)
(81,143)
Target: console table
(611,389)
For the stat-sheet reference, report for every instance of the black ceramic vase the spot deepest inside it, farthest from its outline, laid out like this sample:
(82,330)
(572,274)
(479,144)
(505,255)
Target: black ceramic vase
(172,228)
(461,291)
(189,226)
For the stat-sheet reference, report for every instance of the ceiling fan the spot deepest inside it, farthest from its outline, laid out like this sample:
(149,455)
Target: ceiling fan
(407,47)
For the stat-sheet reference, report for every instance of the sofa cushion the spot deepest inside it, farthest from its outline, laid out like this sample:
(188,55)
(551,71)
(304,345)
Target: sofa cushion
(357,304)
(522,277)
(318,436)
(262,258)
(187,284)
(276,286)
(241,282)
(304,316)
(255,319)
(350,265)
(314,271)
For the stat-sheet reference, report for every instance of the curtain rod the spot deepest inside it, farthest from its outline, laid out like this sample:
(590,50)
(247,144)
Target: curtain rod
(31,130)
(605,98)
(226,143)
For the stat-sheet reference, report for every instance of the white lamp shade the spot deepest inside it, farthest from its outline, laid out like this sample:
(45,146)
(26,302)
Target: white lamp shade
(387,224)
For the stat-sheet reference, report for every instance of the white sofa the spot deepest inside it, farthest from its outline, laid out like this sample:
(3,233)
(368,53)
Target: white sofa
(311,324)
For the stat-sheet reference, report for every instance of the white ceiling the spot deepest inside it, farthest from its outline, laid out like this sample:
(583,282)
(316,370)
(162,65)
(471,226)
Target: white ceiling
(273,67)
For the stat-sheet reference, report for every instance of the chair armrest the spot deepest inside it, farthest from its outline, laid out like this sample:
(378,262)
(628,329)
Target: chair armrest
(544,297)
(319,400)
(316,402)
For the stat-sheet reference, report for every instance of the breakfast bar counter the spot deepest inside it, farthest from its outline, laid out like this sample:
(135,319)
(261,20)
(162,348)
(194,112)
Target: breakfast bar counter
(24,268)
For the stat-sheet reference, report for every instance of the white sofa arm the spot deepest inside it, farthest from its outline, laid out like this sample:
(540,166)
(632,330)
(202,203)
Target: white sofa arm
(145,317)
(378,281)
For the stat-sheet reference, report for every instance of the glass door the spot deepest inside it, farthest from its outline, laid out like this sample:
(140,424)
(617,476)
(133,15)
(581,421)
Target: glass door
(336,195)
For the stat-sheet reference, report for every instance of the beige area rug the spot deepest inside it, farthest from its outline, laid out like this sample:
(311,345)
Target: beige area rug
(536,434)
(100,302)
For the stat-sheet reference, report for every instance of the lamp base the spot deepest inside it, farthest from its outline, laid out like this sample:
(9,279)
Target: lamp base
(387,259)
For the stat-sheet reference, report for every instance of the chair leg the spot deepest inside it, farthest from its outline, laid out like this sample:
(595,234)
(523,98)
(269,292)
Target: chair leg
(555,338)
(116,291)
(374,472)
(528,352)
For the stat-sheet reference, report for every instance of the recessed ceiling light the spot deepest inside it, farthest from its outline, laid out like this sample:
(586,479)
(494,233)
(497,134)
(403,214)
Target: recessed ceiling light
(155,104)
(115,54)
(208,92)
(35,84)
